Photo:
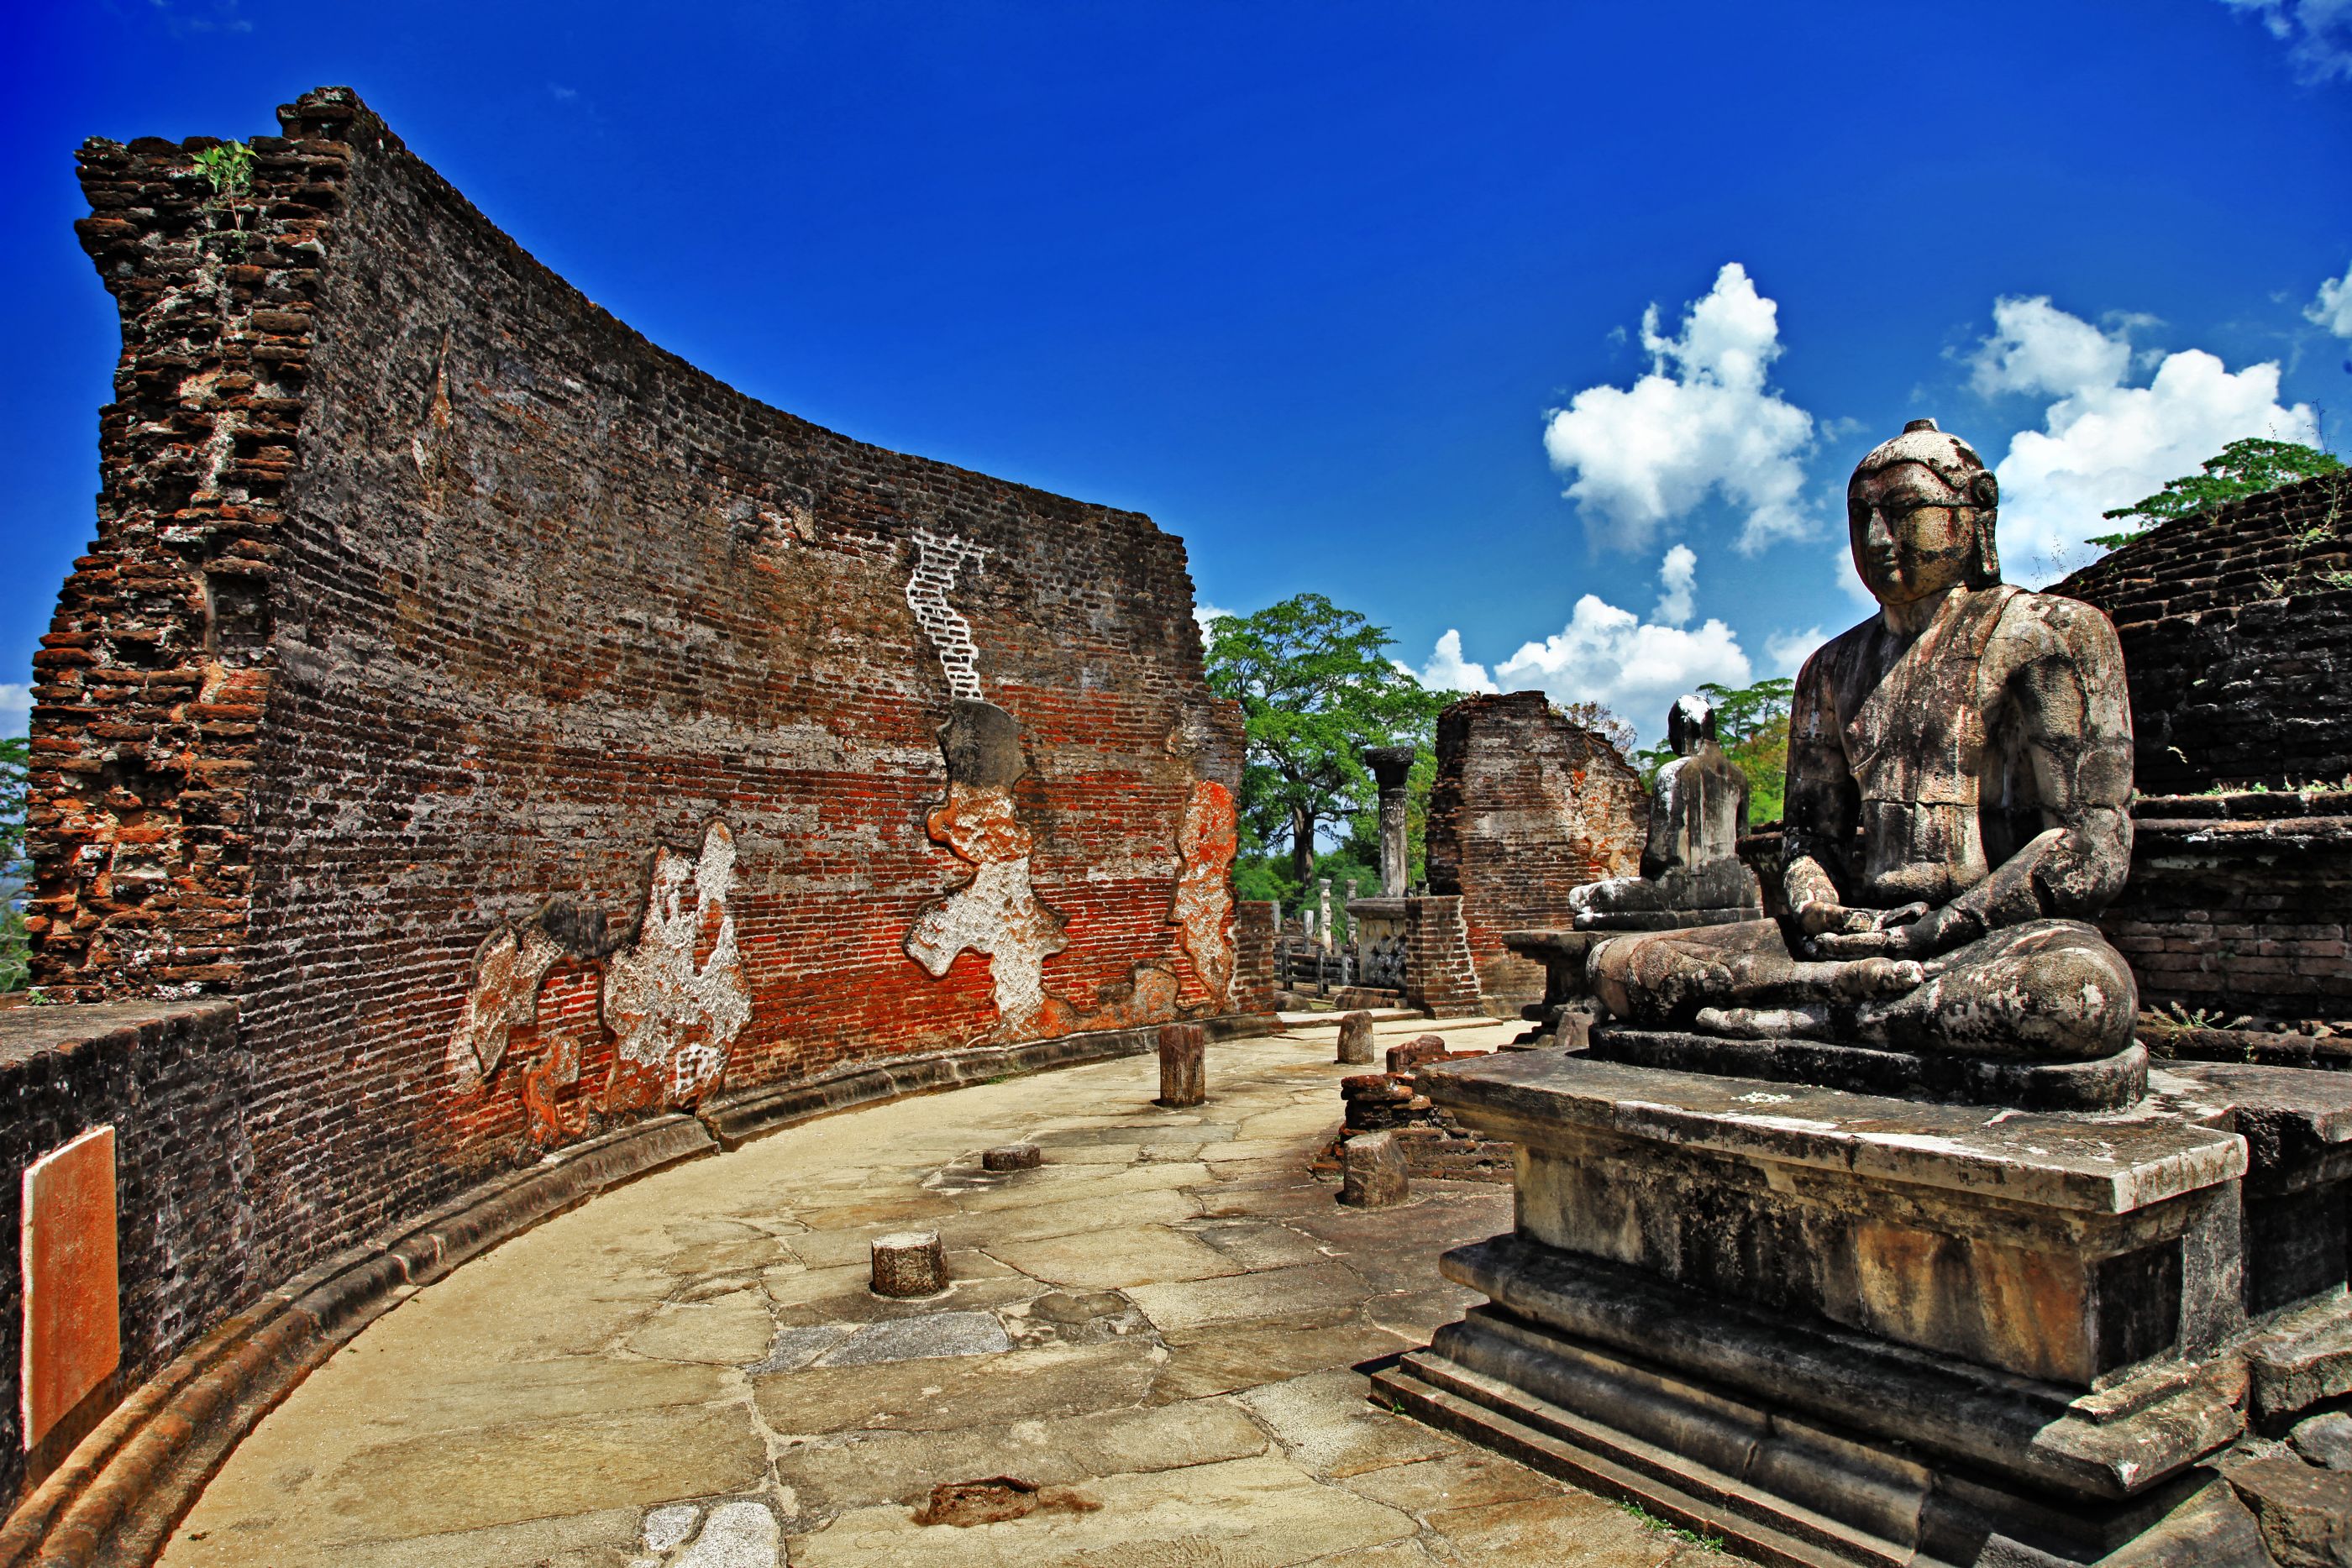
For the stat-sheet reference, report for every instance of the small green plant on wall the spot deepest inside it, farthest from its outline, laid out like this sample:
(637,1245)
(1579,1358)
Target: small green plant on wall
(228,170)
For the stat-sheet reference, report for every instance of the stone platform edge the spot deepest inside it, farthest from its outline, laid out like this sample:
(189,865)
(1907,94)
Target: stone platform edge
(114,1501)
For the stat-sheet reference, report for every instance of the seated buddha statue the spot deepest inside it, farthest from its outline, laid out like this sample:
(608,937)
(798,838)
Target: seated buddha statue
(1959,767)
(1691,871)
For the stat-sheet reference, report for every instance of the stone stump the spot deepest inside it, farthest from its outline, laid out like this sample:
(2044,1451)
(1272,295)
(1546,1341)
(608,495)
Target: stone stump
(909,1263)
(1012,1157)
(1372,1173)
(1183,1067)
(1356,1038)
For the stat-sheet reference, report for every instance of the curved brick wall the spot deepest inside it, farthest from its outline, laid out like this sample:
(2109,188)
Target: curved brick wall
(532,733)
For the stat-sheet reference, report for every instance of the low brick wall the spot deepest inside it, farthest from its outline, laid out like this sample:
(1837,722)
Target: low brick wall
(2240,906)
(172,1081)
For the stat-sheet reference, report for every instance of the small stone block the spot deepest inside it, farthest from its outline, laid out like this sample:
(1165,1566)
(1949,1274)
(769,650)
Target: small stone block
(1012,1157)
(1373,1171)
(72,1301)
(1183,1068)
(1414,1053)
(2326,1440)
(909,1263)
(2305,1513)
(1356,1038)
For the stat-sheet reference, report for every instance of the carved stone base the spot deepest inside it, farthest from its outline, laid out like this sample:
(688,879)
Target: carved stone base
(2104,1084)
(1810,1448)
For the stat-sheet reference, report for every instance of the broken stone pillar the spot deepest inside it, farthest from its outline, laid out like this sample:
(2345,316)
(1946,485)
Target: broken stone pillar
(1012,1157)
(1356,1038)
(1389,766)
(909,1263)
(1372,1173)
(1183,1065)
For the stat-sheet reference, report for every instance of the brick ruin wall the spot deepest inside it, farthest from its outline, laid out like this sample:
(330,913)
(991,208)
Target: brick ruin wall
(530,732)
(2236,627)
(173,1080)
(1525,807)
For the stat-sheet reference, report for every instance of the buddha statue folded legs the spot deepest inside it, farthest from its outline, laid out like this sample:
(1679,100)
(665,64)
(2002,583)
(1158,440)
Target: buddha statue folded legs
(1959,767)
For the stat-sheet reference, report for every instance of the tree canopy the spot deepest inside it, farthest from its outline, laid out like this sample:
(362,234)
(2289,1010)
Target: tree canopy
(2244,467)
(1317,685)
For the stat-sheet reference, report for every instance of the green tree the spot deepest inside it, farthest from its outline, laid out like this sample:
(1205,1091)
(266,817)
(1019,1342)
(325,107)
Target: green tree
(2243,468)
(15,753)
(1315,687)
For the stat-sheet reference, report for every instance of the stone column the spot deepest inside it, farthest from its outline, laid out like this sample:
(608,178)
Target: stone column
(1389,765)
(1323,912)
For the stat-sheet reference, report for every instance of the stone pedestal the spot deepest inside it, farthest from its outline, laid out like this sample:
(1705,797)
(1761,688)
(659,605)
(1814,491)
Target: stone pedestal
(1843,1328)
(1183,1069)
(909,1263)
(1012,1157)
(1356,1038)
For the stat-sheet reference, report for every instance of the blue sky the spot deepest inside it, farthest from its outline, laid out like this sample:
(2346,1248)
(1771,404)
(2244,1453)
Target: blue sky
(1348,296)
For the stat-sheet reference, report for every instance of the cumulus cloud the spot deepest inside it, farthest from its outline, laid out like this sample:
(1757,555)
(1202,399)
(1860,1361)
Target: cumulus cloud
(2104,442)
(16,707)
(1205,613)
(2333,308)
(1637,669)
(2317,33)
(1785,652)
(1677,584)
(2037,347)
(1703,420)
(1448,670)
(1608,655)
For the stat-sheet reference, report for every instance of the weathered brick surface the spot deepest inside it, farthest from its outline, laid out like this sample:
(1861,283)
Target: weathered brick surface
(172,1081)
(426,593)
(1254,933)
(1525,808)
(2241,904)
(2237,635)
(1439,976)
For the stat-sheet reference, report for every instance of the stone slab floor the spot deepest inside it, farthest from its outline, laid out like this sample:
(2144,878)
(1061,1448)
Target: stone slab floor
(1157,1327)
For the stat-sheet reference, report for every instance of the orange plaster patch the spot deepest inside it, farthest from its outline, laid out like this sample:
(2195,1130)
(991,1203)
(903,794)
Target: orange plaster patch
(72,1302)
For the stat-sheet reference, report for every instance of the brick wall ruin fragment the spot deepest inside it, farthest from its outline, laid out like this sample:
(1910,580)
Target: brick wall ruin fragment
(1525,807)
(2236,627)
(529,731)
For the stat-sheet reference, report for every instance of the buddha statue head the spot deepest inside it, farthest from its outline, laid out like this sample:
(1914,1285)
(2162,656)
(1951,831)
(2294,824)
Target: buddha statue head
(1920,513)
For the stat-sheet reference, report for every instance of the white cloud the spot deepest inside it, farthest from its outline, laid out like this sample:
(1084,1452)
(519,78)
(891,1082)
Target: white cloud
(1611,656)
(1204,614)
(2318,32)
(1786,651)
(2105,444)
(1448,670)
(2038,348)
(1702,421)
(1677,582)
(16,707)
(2333,308)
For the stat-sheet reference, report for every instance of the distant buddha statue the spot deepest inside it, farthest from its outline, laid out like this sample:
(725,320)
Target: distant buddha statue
(1959,767)
(1691,872)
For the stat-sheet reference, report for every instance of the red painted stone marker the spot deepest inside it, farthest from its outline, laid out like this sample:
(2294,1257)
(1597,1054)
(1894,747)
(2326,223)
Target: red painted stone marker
(73,1312)
(1183,1069)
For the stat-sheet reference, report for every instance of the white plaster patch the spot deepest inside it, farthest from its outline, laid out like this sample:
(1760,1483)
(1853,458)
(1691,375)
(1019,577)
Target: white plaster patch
(938,559)
(507,968)
(667,1012)
(996,914)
